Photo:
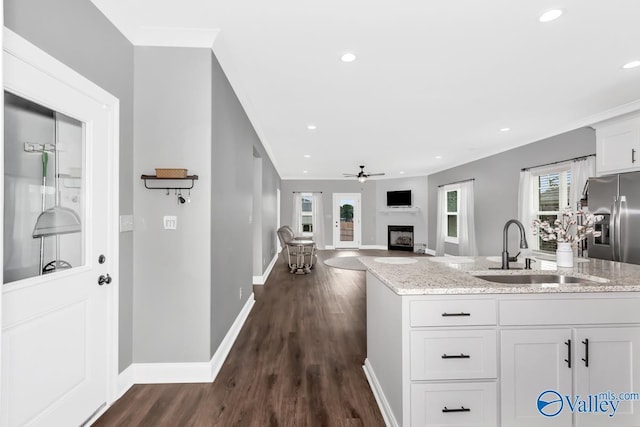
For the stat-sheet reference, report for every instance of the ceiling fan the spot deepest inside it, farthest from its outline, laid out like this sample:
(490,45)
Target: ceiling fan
(362,175)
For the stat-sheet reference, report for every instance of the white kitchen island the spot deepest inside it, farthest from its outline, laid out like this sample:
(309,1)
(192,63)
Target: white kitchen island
(447,348)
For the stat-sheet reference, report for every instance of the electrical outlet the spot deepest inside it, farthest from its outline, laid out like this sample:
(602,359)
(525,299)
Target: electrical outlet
(170,222)
(240,293)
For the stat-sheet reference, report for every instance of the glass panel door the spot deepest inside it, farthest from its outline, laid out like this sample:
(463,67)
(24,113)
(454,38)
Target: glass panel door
(346,214)
(44,200)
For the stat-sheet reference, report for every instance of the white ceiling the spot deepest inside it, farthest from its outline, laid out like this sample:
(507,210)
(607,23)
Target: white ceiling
(432,78)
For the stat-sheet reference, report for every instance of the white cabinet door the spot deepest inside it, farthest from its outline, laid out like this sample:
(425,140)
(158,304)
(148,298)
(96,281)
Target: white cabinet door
(608,363)
(618,147)
(533,362)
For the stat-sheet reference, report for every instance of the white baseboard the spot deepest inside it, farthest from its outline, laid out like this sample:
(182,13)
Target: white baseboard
(381,400)
(330,247)
(189,372)
(125,381)
(261,280)
(227,342)
(430,251)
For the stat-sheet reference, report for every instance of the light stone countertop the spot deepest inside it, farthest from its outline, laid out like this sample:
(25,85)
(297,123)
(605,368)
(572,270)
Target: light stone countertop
(455,275)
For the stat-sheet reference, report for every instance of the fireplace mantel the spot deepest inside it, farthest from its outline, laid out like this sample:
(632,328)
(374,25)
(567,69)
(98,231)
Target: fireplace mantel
(408,209)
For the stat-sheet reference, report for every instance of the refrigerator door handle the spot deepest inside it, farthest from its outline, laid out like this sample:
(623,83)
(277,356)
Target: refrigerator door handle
(620,211)
(613,230)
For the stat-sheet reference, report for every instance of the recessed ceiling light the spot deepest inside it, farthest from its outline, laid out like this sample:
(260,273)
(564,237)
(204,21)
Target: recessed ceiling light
(304,172)
(306,156)
(348,57)
(505,129)
(438,157)
(550,15)
(632,64)
(312,127)
(401,172)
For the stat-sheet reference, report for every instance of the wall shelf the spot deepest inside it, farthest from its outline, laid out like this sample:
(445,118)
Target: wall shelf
(153,178)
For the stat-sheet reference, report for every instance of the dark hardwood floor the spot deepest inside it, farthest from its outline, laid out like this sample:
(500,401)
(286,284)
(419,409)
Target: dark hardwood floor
(297,361)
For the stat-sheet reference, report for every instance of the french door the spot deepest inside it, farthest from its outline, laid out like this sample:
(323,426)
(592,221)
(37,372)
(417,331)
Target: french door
(346,220)
(59,294)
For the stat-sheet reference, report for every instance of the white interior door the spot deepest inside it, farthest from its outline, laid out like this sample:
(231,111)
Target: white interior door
(346,220)
(57,327)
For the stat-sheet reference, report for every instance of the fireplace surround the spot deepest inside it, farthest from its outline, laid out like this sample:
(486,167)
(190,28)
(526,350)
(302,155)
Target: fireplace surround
(400,238)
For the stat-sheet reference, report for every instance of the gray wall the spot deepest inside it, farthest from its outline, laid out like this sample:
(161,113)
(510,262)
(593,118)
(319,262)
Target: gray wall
(172,275)
(76,33)
(233,142)
(496,185)
(375,215)
(386,216)
(328,187)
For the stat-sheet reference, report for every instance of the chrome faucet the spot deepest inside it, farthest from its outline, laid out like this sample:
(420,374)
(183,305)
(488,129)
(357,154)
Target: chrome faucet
(505,250)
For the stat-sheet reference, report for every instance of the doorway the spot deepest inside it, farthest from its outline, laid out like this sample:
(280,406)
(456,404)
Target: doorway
(60,242)
(346,220)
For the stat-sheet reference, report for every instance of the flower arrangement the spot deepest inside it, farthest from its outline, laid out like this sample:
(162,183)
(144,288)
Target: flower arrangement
(567,227)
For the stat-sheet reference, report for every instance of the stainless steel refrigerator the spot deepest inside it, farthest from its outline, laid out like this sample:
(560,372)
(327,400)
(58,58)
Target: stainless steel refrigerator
(617,198)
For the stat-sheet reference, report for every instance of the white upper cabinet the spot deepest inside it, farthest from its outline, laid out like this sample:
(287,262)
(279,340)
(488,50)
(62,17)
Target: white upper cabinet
(618,145)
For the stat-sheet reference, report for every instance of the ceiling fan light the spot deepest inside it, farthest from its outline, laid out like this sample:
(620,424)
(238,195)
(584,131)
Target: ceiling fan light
(362,179)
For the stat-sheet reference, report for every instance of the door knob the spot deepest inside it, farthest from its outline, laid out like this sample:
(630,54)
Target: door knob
(104,279)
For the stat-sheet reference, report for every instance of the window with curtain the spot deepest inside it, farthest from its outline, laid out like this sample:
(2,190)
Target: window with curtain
(306,213)
(456,218)
(546,191)
(551,189)
(452,213)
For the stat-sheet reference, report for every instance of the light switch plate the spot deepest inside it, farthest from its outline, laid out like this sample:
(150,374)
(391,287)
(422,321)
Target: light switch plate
(170,222)
(126,223)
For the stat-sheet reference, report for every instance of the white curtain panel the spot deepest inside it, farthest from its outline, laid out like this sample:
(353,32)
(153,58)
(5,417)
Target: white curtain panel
(581,171)
(296,214)
(467,229)
(317,209)
(441,229)
(526,204)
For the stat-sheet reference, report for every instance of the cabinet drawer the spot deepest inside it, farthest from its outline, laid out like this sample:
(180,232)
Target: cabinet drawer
(452,312)
(459,404)
(559,311)
(448,355)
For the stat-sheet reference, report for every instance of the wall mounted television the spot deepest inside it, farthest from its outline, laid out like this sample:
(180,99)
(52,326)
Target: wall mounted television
(399,198)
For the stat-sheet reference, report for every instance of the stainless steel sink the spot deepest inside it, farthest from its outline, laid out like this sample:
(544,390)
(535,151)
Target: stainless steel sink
(530,279)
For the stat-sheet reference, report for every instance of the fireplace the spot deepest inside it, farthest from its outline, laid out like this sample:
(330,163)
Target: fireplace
(400,238)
